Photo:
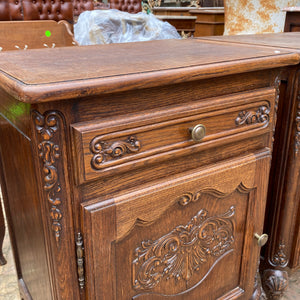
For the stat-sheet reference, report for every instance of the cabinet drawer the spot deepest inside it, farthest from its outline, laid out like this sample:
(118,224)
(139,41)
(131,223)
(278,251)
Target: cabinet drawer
(119,144)
(188,237)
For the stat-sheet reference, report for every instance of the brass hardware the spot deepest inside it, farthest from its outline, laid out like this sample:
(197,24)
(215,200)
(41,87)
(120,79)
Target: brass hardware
(80,260)
(261,239)
(197,132)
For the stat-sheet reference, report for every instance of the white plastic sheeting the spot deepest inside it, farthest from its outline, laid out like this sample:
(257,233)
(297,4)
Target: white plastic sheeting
(114,26)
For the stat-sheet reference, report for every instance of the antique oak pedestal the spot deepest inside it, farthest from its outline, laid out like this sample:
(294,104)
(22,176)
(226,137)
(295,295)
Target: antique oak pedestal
(138,171)
(209,21)
(283,207)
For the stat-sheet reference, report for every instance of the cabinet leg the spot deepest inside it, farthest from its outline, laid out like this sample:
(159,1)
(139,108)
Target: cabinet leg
(2,233)
(275,283)
(258,293)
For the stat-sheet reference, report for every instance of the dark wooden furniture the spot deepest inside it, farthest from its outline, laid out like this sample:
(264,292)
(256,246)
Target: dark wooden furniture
(185,25)
(283,208)
(140,174)
(209,21)
(292,19)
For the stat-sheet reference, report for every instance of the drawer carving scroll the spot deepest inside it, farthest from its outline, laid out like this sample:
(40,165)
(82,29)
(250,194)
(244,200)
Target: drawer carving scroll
(181,252)
(261,115)
(104,151)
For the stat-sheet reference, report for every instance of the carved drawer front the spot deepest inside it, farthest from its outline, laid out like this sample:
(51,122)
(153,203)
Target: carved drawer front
(107,146)
(190,237)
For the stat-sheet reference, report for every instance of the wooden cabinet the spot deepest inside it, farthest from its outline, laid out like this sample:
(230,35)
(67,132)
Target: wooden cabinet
(209,21)
(138,177)
(188,237)
(283,205)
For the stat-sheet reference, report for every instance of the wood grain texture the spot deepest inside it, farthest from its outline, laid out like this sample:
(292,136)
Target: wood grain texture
(62,79)
(285,40)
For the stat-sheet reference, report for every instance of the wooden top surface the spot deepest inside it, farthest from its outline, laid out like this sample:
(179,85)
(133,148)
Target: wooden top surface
(41,75)
(172,8)
(208,11)
(163,17)
(287,40)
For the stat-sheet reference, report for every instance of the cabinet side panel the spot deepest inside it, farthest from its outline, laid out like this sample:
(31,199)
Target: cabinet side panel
(23,208)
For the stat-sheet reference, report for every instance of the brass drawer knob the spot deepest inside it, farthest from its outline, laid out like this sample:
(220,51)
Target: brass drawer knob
(261,239)
(198,132)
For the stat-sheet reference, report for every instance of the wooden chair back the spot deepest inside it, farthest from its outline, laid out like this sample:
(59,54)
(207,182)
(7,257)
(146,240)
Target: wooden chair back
(22,35)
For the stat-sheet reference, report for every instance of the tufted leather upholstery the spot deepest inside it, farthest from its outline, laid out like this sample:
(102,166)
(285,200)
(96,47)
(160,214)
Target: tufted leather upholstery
(131,6)
(4,10)
(48,10)
(80,6)
(16,10)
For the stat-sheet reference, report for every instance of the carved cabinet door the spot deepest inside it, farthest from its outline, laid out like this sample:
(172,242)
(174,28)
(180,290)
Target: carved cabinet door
(187,237)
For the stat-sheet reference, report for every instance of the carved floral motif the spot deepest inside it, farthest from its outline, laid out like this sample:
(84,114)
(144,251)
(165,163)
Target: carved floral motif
(103,150)
(277,95)
(280,258)
(275,283)
(46,125)
(253,117)
(181,252)
(49,152)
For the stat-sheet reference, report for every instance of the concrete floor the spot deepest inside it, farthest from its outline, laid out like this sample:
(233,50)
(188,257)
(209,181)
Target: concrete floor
(9,287)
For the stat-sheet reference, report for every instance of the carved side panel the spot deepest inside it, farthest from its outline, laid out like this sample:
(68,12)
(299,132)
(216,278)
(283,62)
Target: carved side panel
(277,87)
(47,126)
(180,253)
(50,147)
